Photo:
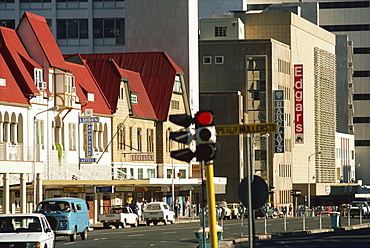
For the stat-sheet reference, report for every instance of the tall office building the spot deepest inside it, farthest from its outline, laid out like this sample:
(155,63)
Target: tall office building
(351,18)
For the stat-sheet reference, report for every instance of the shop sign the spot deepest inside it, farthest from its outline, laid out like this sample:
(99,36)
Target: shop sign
(124,188)
(279,119)
(298,104)
(141,157)
(105,189)
(141,189)
(74,189)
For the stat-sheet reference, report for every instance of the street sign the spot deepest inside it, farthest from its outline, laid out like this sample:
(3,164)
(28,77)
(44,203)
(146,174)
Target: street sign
(88,119)
(87,160)
(249,128)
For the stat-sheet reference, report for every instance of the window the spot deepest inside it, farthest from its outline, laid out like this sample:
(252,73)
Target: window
(72,136)
(175,104)
(177,85)
(362,142)
(151,173)
(110,28)
(169,173)
(134,98)
(72,29)
(7,23)
(182,173)
(361,119)
(130,133)
(40,133)
(207,60)
(361,50)
(220,31)
(121,93)
(361,96)
(139,139)
(121,138)
(38,79)
(2,82)
(150,140)
(90,97)
(219,60)
(122,173)
(131,173)
(361,74)
(140,173)
(339,5)
(351,27)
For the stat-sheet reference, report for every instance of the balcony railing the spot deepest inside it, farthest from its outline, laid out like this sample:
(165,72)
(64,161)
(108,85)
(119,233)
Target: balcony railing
(19,152)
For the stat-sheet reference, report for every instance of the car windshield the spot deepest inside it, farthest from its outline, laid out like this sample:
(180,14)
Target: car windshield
(153,207)
(19,224)
(53,207)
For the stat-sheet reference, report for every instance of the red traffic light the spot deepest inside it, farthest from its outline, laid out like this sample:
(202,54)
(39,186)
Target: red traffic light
(204,118)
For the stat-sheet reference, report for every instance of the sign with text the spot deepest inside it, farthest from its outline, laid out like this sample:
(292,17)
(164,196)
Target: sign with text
(87,160)
(125,188)
(74,189)
(279,119)
(142,157)
(88,119)
(298,104)
(89,140)
(105,189)
(249,128)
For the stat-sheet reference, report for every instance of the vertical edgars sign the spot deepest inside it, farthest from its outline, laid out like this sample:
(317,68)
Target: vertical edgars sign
(279,119)
(298,104)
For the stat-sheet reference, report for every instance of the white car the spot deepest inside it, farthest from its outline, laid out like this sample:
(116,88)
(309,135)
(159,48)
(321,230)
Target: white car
(155,212)
(25,230)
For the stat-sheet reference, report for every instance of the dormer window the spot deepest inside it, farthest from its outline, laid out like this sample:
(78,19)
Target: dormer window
(38,79)
(177,85)
(70,84)
(134,98)
(90,97)
(220,31)
(2,82)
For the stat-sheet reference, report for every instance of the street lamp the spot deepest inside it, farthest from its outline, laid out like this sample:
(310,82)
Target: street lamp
(34,151)
(308,180)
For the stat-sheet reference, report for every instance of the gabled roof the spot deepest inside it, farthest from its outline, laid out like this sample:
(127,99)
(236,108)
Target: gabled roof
(11,93)
(18,60)
(109,75)
(86,83)
(157,71)
(45,38)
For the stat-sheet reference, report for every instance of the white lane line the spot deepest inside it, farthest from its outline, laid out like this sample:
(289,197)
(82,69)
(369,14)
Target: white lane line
(134,235)
(168,232)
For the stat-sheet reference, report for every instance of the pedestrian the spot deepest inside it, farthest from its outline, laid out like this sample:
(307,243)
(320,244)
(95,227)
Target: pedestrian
(290,209)
(187,208)
(177,207)
(135,208)
(143,205)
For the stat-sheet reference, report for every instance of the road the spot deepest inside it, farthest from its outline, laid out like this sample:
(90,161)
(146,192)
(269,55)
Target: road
(182,234)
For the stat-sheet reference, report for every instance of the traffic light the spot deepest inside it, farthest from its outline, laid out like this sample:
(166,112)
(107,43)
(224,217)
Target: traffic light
(205,136)
(184,137)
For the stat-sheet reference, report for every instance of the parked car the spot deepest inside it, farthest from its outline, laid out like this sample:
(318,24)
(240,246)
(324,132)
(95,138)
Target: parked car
(119,217)
(155,212)
(234,207)
(326,210)
(223,211)
(67,216)
(358,207)
(25,230)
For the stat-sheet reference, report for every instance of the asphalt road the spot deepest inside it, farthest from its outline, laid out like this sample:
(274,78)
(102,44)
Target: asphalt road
(183,235)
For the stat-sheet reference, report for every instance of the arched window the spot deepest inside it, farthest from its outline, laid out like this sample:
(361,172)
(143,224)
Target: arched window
(6,128)
(121,137)
(13,129)
(20,129)
(105,136)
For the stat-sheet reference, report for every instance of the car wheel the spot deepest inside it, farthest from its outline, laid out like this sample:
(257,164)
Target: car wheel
(136,224)
(147,222)
(53,221)
(73,236)
(84,234)
(106,225)
(165,222)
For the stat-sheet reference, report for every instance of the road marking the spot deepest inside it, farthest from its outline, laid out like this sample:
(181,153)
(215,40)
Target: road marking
(168,232)
(133,235)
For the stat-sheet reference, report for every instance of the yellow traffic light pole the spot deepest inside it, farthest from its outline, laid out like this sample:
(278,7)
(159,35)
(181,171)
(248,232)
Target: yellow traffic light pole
(211,205)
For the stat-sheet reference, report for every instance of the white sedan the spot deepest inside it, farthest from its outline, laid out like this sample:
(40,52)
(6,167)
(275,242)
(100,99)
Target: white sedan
(25,230)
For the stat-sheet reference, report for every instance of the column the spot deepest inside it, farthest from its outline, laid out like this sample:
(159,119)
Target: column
(39,189)
(23,194)
(6,194)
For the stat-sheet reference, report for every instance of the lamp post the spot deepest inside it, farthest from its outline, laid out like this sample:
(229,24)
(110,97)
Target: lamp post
(34,151)
(308,180)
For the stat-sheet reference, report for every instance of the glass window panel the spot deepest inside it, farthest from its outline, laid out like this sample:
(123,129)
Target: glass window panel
(72,28)
(98,28)
(109,28)
(84,34)
(61,29)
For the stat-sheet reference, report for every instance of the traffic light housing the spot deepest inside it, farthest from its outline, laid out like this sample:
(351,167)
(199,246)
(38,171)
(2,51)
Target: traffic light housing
(205,136)
(184,137)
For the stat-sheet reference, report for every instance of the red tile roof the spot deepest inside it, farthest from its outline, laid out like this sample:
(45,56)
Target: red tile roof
(108,75)
(18,60)
(157,71)
(45,38)
(11,93)
(86,83)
